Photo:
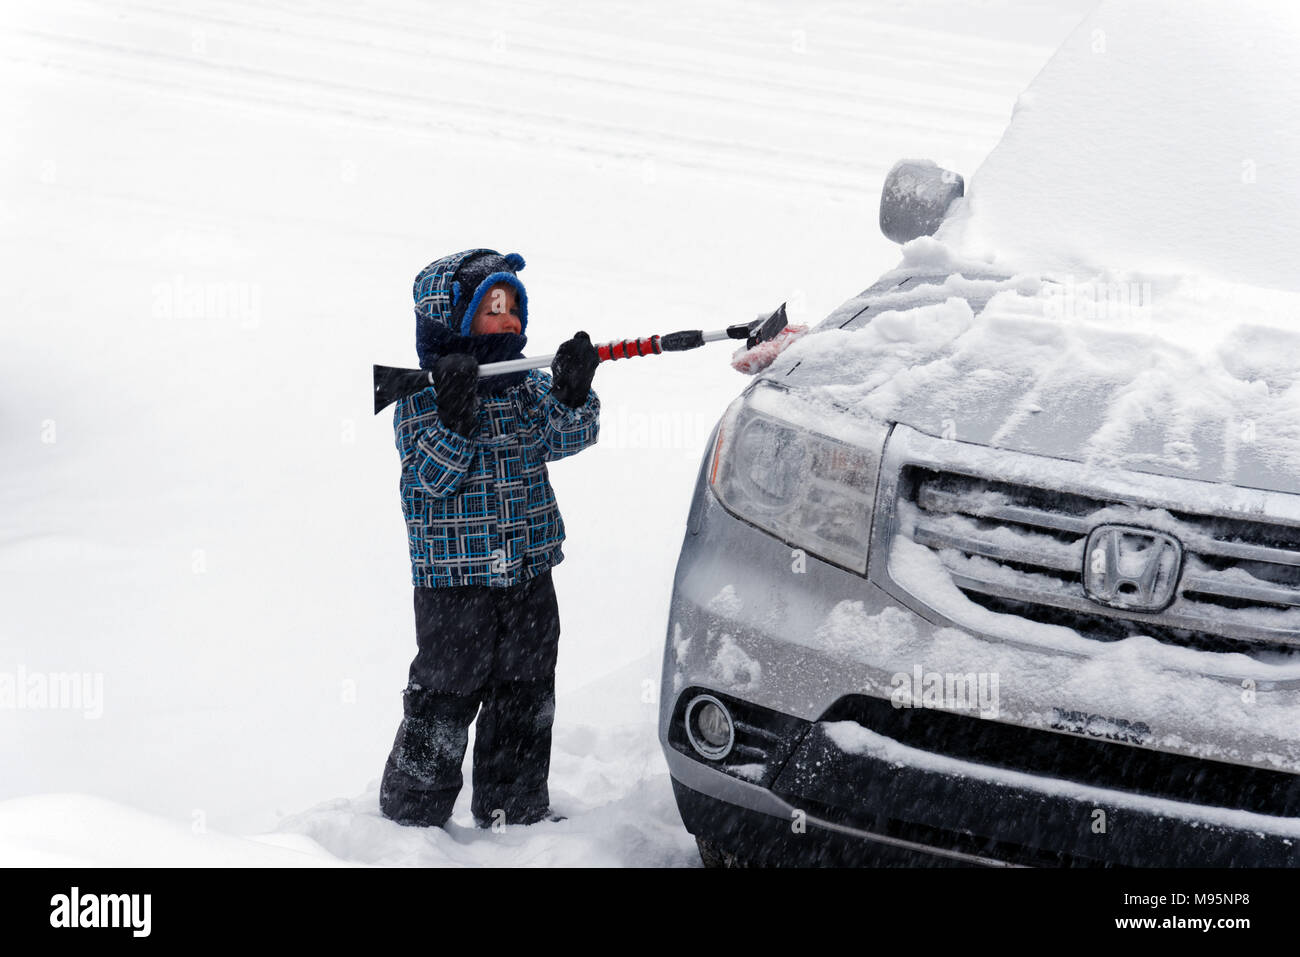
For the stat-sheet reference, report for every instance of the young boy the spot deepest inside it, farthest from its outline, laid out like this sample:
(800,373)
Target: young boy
(484,532)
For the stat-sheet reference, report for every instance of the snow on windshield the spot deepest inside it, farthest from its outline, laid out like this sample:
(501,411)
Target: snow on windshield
(1162,137)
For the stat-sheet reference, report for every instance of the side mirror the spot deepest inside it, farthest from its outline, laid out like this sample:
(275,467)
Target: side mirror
(915,199)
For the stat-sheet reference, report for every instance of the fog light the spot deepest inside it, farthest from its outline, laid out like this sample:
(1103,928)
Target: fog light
(709,727)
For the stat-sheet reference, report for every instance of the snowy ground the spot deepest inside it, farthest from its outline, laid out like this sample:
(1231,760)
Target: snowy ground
(211,216)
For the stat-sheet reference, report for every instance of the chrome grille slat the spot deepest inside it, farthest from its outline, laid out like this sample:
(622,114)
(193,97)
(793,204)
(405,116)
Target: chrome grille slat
(1179,615)
(1261,594)
(936,500)
(1244,551)
(935,538)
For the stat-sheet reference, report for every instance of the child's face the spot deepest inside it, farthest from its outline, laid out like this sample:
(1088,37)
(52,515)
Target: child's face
(497,312)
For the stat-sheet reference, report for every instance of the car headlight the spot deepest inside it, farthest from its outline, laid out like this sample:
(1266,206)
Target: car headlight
(809,488)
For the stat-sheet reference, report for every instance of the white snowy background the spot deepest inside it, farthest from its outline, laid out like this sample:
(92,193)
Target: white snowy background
(211,214)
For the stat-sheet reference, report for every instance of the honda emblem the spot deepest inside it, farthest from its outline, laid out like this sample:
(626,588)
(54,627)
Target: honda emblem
(1131,568)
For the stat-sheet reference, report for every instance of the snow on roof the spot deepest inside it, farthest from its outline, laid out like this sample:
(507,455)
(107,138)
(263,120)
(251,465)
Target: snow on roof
(1162,137)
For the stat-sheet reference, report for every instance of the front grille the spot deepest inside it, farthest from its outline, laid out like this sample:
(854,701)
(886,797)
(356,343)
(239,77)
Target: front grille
(1019,548)
(1067,757)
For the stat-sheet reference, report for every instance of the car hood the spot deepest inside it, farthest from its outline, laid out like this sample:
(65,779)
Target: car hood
(1200,383)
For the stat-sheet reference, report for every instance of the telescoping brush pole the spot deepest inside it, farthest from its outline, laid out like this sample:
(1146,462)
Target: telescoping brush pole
(393,384)
(651,346)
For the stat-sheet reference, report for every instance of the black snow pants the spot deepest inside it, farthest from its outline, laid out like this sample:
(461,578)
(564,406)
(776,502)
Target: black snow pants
(494,647)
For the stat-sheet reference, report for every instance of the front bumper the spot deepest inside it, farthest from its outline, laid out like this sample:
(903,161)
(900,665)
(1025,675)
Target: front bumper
(876,801)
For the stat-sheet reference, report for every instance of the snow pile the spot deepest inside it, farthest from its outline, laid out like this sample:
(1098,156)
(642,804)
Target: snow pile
(78,830)
(732,667)
(1163,136)
(608,824)
(610,779)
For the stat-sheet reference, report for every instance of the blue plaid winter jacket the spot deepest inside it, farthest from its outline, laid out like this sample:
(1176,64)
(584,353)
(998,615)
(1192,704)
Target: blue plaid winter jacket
(480,510)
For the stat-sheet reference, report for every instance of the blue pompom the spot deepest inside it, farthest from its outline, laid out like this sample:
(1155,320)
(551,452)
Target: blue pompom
(515,261)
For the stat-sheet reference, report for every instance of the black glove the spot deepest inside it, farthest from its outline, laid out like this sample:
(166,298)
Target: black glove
(455,378)
(571,372)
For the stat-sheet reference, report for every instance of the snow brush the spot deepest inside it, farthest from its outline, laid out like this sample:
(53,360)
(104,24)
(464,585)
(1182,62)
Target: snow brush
(765,338)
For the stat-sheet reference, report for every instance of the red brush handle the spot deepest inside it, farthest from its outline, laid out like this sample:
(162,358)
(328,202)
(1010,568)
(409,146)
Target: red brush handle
(628,349)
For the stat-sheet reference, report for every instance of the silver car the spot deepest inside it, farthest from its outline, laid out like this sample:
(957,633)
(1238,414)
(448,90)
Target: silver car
(851,673)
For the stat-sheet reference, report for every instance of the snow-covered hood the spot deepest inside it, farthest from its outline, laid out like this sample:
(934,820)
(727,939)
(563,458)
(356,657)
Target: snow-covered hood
(1171,376)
